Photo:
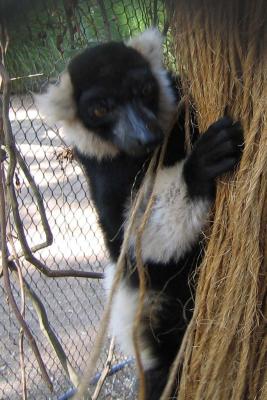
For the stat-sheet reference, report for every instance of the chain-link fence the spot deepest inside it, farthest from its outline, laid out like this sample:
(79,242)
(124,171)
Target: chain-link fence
(40,43)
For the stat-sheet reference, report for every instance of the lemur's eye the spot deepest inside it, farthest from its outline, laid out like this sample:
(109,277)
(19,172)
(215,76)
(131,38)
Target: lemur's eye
(100,108)
(100,111)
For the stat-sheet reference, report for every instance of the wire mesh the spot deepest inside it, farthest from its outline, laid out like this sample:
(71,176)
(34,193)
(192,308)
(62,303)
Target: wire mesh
(39,48)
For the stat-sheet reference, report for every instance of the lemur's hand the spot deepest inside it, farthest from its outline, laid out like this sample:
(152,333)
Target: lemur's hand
(216,152)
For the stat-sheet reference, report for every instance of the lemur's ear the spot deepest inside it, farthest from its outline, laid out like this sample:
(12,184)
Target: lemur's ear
(57,103)
(149,44)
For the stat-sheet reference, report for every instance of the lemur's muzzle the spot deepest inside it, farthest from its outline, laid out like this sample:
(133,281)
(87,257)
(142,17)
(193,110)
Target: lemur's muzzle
(138,131)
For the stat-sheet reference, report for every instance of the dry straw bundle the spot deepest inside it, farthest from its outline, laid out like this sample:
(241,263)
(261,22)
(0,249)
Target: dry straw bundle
(221,52)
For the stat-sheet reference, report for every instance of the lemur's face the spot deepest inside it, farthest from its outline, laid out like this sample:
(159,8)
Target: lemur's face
(113,98)
(117,97)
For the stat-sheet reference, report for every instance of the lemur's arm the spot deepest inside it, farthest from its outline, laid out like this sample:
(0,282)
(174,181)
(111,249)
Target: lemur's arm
(185,191)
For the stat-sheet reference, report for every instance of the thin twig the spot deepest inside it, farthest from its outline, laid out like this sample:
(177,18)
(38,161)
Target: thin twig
(139,259)
(8,289)
(105,371)
(119,272)
(12,200)
(22,311)
(42,317)
(21,332)
(22,363)
(83,387)
(12,152)
(39,199)
(3,223)
(47,329)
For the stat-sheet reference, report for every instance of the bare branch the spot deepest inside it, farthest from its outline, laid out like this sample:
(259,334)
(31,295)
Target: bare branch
(13,152)
(21,332)
(105,371)
(40,204)
(22,311)
(43,322)
(8,286)
(47,329)
(12,262)
(22,364)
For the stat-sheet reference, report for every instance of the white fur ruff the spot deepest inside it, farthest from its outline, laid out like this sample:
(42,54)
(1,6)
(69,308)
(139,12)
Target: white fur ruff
(175,222)
(149,44)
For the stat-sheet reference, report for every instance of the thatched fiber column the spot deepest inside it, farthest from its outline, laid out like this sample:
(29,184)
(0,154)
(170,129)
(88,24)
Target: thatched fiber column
(221,54)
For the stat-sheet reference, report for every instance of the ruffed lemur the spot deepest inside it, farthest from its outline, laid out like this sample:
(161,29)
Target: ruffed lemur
(116,101)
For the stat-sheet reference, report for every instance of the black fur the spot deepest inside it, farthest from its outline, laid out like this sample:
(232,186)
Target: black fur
(113,76)
(123,86)
(111,182)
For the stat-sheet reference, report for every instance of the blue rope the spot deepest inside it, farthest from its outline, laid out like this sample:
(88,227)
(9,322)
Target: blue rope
(117,367)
